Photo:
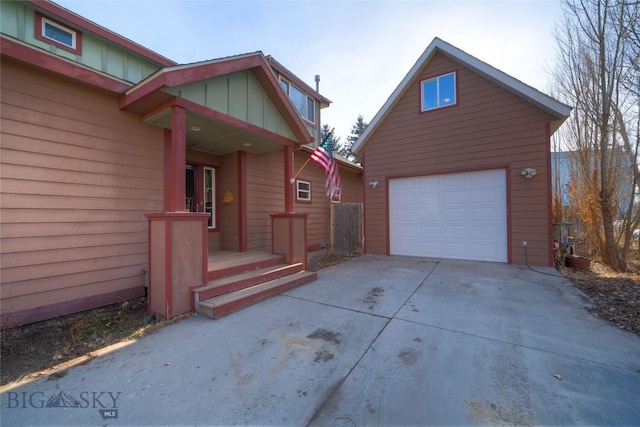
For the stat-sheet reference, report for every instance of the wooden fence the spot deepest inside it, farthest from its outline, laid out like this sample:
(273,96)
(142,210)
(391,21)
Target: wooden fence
(346,228)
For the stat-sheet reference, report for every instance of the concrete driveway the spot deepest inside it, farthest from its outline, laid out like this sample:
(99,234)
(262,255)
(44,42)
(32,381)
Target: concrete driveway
(374,341)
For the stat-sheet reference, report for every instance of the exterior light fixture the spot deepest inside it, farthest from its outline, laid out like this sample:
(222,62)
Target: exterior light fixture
(195,128)
(528,173)
(373,184)
(247,144)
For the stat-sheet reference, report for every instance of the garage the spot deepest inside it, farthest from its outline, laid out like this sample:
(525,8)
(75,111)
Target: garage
(458,215)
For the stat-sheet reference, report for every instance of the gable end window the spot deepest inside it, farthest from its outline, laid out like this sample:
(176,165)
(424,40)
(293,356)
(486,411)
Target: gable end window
(55,33)
(303,103)
(438,92)
(303,191)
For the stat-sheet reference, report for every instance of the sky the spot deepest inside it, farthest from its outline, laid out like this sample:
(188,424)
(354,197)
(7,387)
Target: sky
(361,49)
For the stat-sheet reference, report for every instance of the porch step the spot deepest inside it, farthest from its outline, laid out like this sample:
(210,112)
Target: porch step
(233,266)
(246,279)
(228,303)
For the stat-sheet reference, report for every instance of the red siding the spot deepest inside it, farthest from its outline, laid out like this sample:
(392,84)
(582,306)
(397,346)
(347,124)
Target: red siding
(78,176)
(490,127)
(318,226)
(229,219)
(265,195)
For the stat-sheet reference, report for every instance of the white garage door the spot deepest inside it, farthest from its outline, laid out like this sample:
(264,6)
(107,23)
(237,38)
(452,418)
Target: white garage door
(461,215)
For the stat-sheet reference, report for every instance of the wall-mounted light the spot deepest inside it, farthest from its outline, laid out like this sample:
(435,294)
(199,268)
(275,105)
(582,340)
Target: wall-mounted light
(195,128)
(373,184)
(528,172)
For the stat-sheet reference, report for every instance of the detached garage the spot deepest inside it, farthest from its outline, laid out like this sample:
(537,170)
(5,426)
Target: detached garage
(458,215)
(458,165)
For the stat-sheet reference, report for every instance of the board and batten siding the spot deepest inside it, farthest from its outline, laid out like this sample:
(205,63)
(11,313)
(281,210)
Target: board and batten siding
(490,128)
(17,20)
(77,177)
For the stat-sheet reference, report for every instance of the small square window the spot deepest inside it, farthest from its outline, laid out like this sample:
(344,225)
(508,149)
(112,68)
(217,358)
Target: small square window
(438,92)
(57,34)
(303,191)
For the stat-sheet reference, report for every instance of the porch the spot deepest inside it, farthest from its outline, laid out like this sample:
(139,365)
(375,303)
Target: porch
(239,279)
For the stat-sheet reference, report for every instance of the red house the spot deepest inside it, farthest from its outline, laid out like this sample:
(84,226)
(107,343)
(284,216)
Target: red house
(457,164)
(116,161)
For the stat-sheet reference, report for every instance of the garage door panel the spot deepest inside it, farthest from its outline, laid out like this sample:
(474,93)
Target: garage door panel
(492,215)
(484,233)
(455,250)
(406,200)
(430,232)
(429,198)
(457,196)
(452,181)
(406,231)
(454,214)
(484,195)
(484,252)
(430,215)
(461,216)
(428,248)
(454,232)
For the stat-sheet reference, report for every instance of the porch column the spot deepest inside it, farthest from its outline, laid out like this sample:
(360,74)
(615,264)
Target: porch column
(175,158)
(288,179)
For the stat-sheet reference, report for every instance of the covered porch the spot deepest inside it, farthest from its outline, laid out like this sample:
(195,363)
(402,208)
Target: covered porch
(230,122)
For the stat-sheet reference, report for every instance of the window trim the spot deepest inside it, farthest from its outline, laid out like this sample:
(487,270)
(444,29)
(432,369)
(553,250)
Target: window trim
(214,196)
(39,34)
(437,80)
(298,198)
(312,111)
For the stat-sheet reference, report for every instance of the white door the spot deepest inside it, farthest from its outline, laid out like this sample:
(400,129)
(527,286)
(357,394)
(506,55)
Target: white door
(460,215)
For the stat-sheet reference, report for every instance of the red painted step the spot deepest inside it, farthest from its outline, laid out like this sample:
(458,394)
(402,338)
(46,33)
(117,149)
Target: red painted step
(267,260)
(244,280)
(228,303)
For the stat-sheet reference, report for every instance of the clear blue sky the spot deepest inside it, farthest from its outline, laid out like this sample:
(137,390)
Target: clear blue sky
(361,49)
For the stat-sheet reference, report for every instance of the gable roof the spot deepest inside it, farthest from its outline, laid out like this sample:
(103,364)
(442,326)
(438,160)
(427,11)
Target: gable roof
(148,93)
(545,102)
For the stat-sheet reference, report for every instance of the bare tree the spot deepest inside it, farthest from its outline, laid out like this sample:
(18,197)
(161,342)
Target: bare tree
(596,68)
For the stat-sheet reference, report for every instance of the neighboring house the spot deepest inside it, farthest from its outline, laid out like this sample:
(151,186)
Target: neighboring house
(564,168)
(115,159)
(448,162)
(561,176)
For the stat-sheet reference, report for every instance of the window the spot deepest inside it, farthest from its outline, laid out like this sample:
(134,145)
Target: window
(210,195)
(438,92)
(303,103)
(303,191)
(57,34)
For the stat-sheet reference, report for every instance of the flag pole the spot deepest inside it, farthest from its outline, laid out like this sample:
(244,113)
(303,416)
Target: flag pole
(309,159)
(303,166)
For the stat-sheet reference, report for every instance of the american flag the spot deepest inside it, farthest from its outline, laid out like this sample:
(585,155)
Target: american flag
(323,157)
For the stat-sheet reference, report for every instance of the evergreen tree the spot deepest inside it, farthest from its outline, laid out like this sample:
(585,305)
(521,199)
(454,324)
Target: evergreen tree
(324,131)
(356,130)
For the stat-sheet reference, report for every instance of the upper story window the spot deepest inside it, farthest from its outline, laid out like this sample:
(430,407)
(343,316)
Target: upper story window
(438,92)
(303,103)
(57,34)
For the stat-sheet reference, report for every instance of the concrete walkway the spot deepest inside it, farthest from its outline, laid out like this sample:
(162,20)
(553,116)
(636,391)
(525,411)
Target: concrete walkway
(374,341)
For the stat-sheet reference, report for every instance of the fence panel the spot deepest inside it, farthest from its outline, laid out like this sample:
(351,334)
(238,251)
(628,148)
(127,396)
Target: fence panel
(346,226)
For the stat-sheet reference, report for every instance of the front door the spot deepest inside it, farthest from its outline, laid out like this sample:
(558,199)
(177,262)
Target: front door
(200,192)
